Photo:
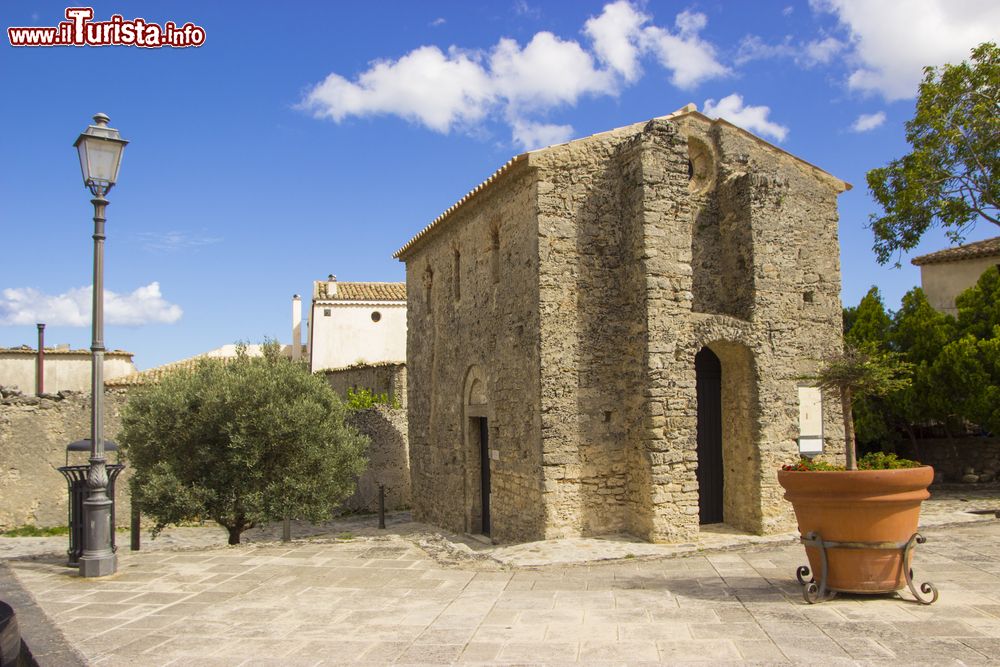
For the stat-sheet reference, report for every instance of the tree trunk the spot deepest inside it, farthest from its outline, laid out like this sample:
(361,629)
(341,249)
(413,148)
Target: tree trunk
(913,443)
(849,450)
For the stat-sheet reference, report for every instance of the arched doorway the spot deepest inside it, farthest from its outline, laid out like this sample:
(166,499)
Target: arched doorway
(708,372)
(476,453)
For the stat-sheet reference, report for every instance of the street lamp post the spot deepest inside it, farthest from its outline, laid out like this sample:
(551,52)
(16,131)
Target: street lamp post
(100,148)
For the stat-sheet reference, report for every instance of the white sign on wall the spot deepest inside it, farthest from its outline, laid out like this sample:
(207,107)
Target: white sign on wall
(810,421)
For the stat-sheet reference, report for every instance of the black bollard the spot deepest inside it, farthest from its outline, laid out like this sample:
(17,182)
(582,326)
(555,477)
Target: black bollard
(134,546)
(381,506)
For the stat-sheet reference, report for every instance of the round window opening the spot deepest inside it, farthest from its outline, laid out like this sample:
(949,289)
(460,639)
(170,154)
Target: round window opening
(700,165)
(376,316)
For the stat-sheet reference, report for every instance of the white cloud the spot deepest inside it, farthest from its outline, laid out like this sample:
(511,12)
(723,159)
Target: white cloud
(807,54)
(690,58)
(145,305)
(174,241)
(544,74)
(893,40)
(529,135)
(427,86)
(522,8)
(461,89)
(750,118)
(868,121)
(823,50)
(615,34)
(438,22)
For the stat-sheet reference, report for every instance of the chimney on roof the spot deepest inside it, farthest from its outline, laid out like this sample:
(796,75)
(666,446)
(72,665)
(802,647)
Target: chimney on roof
(331,286)
(40,364)
(296,327)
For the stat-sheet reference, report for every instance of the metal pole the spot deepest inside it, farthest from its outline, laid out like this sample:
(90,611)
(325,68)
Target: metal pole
(98,558)
(136,526)
(381,506)
(40,362)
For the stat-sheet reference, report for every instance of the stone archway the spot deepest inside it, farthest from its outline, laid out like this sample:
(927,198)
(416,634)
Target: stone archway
(740,450)
(711,472)
(476,452)
(735,343)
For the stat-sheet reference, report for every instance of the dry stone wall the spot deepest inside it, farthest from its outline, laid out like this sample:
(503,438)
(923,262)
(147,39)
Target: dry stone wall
(474,320)
(624,255)
(34,432)
(388,460)
(960,459)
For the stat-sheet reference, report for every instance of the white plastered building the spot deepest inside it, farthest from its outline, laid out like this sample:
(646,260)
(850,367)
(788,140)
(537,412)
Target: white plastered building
(354,323)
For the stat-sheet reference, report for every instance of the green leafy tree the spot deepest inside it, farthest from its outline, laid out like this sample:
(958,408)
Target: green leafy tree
(919,333)
(242,442)
(867,324)
(979,306)
(959,379)
(949,178)
(969,370)
(863,373)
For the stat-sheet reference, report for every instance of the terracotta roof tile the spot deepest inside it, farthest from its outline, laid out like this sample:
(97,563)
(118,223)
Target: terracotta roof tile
(987,248)
(365,292)
(154,375)
(49,351)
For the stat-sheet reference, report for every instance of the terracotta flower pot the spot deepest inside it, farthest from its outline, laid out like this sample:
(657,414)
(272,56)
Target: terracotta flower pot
(880,506)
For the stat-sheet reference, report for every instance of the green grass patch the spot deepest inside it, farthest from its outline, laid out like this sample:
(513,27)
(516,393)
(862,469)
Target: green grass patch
(35,531)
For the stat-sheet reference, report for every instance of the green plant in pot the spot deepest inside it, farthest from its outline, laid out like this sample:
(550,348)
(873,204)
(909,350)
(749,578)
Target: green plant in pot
(858,522)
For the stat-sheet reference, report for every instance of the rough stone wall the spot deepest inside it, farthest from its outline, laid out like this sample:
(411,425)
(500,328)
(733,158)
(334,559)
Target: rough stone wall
(34,432)
(952,457)
(590,289)
(378,378)
(486,327)
(653,241)
(388,460)
(642,263)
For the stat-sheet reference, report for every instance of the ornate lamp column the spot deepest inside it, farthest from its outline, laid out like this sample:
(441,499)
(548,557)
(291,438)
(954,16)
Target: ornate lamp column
(100,149)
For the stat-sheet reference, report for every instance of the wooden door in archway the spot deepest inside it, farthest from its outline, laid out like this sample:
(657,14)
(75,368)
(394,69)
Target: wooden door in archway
(708,371)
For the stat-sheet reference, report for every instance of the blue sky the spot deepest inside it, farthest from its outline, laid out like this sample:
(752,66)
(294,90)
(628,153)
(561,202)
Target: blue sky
(311,138)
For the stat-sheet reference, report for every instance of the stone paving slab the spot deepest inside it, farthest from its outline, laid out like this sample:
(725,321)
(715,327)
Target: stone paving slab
(949,505)
(387,599)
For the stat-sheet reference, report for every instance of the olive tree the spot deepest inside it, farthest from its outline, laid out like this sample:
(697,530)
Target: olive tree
(243,442)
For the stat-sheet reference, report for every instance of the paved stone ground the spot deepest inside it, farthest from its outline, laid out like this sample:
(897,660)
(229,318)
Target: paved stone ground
(409,596)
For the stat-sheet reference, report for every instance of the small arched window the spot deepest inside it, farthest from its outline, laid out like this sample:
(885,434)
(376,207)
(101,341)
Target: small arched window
(428,286)
(495,254)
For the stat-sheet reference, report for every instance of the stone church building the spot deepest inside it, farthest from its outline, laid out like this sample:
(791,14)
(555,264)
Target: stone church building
(608,336)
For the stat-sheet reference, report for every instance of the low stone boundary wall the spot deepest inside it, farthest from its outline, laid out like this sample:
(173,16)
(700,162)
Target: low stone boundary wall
(34,432)
(955,456)
(388,459)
